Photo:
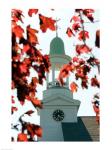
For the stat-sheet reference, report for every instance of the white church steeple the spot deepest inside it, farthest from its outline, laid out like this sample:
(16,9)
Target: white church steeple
(58,103)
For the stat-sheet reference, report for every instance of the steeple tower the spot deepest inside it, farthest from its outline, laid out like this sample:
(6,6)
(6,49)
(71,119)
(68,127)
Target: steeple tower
(58,103)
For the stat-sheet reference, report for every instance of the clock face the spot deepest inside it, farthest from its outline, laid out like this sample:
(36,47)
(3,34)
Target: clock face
(58,115)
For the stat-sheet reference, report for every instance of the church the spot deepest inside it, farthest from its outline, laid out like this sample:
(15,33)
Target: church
(58,118)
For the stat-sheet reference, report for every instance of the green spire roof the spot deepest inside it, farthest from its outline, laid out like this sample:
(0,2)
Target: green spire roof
(57,47)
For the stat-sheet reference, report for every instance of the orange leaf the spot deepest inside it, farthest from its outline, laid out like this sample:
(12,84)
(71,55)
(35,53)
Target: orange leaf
(32,11)
(26,47)
(75,19)
(82,49)
(13,101)
(64,72)
(76,26)
(34,80)
(73,87)
(96,109)
(83,35)
(88,14)
(46,23)
(13,109)
(38,132)
(17,15)
(31,33)
(95,82)
(29,112)
(69,32)
(22,137)
(23,68)
(36,102)
(18,31)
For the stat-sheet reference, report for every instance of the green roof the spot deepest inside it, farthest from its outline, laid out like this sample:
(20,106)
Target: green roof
(57,47)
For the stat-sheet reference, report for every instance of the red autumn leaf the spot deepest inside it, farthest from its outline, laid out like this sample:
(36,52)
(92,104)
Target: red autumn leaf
(34,80)
(16,58)
(26,47)
(86,69)
(89,14)
(22,137)
(61,81)
(64,72)
(76,26)
(83,35)
(13,101)
(90,17)
(75,59)
(69,32)
(23,68)
(97,41)
(34,130)
(30,128)
(38,132)
(84,84)
(93,61)
(46,23)
(96,61)
(79,73)
(36,102)
(13,109)
(18,31)
(27,61)
(17,47)
(75,19)
(29,112)
(95,82)
(82,49)
(73,87)
(88,10)
(78,61)
(78,10)
(61,77)
(32,11)
(17,15)
(47,63)
(96,109)
(31,34)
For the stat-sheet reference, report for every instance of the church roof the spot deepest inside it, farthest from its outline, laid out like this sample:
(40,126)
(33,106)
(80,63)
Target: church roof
(86,129)
(57,46)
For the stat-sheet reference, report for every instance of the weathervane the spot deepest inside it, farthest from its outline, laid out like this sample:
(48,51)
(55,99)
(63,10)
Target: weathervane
(57,27)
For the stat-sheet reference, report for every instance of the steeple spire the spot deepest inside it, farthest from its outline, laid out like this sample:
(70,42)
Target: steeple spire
(57,27)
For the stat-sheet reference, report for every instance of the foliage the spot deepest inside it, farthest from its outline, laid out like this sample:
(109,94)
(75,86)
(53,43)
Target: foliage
(26,56)
(83,63)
